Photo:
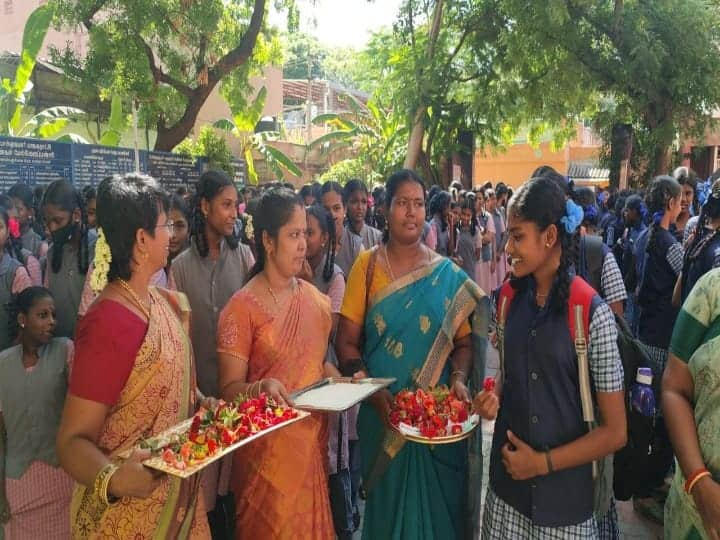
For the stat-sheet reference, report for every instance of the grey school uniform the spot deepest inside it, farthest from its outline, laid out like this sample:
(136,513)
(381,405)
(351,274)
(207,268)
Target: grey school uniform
(32,242)
(370,236)
(67,285)
(209,285)
(350,247)
(32,423)
(466,246)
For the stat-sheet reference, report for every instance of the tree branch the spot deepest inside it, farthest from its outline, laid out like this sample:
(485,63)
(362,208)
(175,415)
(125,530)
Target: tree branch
(87,18)
(158,75)
(242,52)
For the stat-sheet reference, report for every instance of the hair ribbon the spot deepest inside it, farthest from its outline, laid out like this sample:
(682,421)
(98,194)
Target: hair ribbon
(573,217)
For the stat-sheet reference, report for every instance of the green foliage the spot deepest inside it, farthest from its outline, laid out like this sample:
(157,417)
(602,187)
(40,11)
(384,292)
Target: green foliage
(377,136)
(117,123)
(345,170)
(336,64)
(242,126)
(627,51)
(15,93)
(169,54)
(208,145)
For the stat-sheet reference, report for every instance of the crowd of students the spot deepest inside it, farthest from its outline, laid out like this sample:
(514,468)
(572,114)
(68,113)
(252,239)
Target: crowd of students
(280,289)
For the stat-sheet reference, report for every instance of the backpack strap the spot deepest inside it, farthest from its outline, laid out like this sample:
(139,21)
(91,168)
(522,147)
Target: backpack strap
(507,293)
(581,296)
(592,257)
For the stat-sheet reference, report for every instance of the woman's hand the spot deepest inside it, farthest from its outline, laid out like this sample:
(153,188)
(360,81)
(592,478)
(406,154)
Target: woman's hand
(460,390)
(486,404)
(707,500)
(133,479)
(382,401)
(208,403)
(276,390)
(521,461)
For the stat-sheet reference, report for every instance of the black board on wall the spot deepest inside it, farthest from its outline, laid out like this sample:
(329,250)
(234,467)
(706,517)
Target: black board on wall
(33,162)
(39,162)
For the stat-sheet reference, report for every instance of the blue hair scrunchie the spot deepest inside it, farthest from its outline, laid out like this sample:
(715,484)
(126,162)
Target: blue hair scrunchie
(590,213)
(657,217)
(573,217)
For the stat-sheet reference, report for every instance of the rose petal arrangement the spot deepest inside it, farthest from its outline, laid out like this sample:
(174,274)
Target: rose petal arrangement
(213,430)
(436,412)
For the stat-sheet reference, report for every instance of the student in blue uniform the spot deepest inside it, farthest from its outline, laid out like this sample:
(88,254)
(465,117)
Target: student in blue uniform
(658,260)
(541,482)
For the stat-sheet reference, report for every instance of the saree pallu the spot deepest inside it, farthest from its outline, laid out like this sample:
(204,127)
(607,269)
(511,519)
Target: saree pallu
(159,393)
(280,481)
(419,491)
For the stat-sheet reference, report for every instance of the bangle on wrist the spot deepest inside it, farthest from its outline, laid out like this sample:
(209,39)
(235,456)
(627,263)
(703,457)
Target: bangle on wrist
(102,481)
(459,373)
(694,478)
(549,462)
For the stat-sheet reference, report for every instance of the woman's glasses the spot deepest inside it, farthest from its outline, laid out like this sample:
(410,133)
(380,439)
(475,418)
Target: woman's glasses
(170,226)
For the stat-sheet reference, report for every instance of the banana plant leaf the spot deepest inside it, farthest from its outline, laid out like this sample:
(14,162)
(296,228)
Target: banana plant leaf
(36,28)
(116,124)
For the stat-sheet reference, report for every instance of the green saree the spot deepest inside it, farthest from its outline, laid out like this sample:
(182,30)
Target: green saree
(419,491)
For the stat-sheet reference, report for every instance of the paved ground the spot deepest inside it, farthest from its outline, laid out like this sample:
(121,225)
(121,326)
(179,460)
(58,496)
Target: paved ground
(632,525)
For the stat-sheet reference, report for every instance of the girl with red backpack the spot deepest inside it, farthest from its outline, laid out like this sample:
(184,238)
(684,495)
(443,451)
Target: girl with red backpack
(541,463)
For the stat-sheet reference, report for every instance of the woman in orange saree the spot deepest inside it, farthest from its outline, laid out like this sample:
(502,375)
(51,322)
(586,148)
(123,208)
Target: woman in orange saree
(272,337)
(133,377)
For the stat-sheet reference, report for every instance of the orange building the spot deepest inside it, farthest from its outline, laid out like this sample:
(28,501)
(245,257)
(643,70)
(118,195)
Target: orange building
(514,165)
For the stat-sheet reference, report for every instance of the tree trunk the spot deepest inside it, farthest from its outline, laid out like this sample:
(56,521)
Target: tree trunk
(168,137)
(620,151)
(417,131)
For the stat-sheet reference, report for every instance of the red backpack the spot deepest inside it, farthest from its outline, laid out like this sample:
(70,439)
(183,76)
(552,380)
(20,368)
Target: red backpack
(581,296)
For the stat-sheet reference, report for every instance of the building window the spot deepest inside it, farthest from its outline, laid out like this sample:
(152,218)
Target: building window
(8,7)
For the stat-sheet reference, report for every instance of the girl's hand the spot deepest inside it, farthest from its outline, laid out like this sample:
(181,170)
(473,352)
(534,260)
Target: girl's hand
(707,500)
(486,404)
(276,390)
(521,461)
(133,479)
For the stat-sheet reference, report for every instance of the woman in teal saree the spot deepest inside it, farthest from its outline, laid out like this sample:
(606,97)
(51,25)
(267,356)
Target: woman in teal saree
(411,310)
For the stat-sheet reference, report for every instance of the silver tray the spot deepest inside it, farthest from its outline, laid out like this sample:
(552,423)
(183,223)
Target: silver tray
(162,439)
(361,390)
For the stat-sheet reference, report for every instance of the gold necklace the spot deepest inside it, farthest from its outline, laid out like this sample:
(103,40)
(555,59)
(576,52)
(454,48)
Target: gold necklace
(272,293)
(387,261)
(134,296)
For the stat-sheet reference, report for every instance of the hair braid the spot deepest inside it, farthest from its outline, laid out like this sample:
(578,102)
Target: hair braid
(329,269)
(82,230)
(197,229)
(568,256)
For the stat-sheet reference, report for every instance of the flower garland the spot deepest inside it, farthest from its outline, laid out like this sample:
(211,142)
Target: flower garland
(249,229)
(101,263)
